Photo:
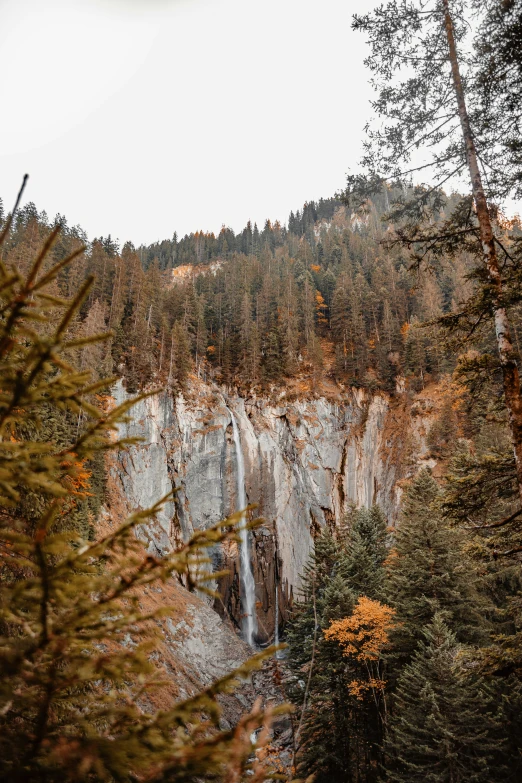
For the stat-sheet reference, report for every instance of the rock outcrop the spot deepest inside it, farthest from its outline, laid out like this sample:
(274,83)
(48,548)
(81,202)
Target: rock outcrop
(305,460)
(196,646)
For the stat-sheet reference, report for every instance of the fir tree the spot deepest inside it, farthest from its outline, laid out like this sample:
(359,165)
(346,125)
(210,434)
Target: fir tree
(322,728)
(364,552)
(421,49)
(180,363)
(428,572)
(317,575)
(273,359)
(445,726)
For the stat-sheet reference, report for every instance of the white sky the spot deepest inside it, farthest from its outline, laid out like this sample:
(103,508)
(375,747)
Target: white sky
(141,117)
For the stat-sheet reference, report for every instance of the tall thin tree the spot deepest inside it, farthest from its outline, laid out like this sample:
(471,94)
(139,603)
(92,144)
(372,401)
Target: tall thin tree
(428,103)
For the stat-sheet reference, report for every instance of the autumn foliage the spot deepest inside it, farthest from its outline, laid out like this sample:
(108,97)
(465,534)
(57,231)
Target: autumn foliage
(366,632)
(363,636)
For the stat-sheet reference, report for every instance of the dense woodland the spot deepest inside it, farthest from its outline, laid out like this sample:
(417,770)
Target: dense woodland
(79,666)
(261,306)
(405,652)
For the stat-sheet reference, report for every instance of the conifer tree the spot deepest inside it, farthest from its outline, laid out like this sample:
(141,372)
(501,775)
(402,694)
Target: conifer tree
(95,356)
(428,572)
(445,725)
(415,350)
(322,731)
(247,338)
(180,362)
(427,95)
(340,320)
(273,367)
(364,552)
(290,324)
(317,576)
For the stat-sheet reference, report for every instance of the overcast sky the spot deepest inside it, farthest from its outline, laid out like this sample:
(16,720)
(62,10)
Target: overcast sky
(141,117)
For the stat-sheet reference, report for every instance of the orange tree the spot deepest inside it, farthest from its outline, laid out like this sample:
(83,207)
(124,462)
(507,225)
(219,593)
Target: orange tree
(363,636)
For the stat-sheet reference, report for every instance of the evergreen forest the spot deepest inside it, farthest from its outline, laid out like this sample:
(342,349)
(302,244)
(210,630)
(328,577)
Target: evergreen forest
(319,297)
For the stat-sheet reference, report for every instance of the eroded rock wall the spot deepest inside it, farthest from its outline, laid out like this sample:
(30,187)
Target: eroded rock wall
(196,646)
(305,461)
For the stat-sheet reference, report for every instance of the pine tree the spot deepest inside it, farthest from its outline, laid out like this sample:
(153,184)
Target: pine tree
(316,578)
(421,48)
(249,354)
(95,356)
(428,572)
(273,366)
(415,350)
(322,726)
(364,552)
(340,320)
(445,725)
(308,310)
(290,324)
(180,361)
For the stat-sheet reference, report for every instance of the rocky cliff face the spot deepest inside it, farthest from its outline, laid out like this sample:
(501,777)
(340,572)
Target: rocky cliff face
(196,646)
(305,461)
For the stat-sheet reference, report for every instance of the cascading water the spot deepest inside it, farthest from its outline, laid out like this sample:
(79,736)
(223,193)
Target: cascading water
(247,577)
(276,621)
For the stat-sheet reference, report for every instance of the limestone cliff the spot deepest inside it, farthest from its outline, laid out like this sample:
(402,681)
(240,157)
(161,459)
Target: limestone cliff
(305,460)
(196,646)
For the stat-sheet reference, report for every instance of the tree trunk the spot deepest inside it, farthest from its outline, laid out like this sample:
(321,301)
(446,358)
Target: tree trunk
(510,373)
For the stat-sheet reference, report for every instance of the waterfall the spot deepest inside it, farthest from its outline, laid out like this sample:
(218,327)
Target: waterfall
(276,622)
(248,598)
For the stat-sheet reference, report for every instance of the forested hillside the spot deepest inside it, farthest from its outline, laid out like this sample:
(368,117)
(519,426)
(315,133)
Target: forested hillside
(321,295)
